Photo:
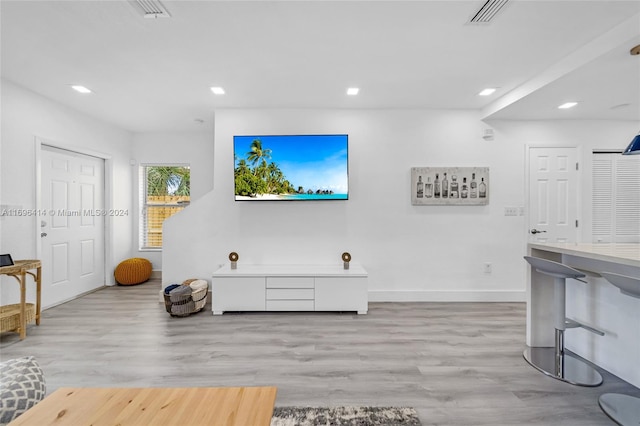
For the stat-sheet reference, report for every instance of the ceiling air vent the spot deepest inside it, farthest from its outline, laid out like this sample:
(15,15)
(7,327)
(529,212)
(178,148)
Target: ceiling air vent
(488,11)
(151,8)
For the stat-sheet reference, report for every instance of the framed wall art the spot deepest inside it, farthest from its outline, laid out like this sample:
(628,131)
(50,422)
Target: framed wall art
(464,186)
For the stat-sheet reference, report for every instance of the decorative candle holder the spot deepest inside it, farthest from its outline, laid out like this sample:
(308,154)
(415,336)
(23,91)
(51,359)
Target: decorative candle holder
(346,258)
(233,257)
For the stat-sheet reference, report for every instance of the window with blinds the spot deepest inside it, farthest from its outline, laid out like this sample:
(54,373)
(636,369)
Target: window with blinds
(616,198)
(164,191)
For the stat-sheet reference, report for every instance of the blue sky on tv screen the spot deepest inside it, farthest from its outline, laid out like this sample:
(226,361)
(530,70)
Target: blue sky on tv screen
(311,161)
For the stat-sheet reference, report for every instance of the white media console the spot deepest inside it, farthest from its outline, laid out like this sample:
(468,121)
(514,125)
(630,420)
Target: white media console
(290,288)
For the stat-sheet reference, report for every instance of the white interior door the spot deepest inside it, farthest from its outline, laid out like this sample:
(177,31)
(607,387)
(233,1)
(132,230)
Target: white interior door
(553,194)
(72,231)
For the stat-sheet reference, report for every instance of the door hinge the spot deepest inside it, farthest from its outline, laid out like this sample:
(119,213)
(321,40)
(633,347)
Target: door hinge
(577,166)
(576,223)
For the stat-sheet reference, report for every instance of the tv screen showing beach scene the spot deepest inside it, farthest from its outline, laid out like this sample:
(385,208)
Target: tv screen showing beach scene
(291,167)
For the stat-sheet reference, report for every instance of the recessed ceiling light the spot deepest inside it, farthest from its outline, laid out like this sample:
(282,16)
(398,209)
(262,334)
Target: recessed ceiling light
(352,91)
(488,91)
(567,105)
(80,89)
(217,90)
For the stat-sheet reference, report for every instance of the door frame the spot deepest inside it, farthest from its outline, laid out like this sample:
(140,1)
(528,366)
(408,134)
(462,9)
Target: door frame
(527,186)
(108,198)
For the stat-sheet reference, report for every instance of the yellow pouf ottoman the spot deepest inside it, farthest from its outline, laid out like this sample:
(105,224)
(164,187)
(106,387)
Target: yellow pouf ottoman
(133,271)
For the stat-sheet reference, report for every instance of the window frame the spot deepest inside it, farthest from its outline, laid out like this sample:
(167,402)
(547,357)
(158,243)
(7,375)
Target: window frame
(143,203)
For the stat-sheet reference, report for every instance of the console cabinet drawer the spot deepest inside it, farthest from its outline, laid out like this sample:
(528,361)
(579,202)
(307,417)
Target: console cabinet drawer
(290,305)
(290,282)
(290,293)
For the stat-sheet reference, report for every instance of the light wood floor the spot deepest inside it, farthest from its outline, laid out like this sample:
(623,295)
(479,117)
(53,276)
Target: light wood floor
(456,363)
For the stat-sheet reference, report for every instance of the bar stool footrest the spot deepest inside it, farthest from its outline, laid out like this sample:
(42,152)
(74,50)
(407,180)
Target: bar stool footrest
(569,368)
(569,323)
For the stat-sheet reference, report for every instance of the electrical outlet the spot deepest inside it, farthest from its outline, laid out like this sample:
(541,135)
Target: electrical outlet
(487,268)
(511,211)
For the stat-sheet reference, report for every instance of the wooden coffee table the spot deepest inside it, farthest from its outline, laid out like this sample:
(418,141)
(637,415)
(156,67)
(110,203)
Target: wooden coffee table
(234,406)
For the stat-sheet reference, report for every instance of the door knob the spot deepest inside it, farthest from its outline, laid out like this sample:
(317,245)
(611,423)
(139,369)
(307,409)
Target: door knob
(535,231)
(43,234)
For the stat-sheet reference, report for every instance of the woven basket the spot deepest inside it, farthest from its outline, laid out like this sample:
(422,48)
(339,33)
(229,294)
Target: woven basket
(199,293)
(183,304)
(10,316)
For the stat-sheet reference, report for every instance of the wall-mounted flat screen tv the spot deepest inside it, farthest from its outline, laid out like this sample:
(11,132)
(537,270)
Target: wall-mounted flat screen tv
(291,167)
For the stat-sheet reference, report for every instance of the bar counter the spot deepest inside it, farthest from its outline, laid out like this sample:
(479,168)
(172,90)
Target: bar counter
(596,303)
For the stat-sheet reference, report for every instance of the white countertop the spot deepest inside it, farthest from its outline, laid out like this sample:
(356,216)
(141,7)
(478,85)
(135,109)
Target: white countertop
(329,270)
(625,254)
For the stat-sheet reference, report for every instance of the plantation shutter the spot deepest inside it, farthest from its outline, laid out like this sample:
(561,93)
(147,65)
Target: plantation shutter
(628,200)
(616,198)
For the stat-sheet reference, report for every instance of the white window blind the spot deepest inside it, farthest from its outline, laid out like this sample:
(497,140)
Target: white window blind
(616,198)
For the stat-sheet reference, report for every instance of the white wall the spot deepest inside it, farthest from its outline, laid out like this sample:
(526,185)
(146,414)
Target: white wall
(195,149)
(588,135)
(410,252)
(27,115)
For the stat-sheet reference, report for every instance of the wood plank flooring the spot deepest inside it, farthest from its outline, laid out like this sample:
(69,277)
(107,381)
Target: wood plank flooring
(455,363)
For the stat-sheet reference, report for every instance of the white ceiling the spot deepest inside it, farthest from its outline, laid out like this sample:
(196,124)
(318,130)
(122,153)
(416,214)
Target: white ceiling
(152,75)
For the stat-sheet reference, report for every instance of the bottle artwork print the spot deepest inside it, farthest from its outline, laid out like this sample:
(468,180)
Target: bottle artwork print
(450,186)
(474,186)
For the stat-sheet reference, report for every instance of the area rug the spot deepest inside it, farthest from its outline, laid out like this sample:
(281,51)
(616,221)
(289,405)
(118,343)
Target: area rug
(344,416)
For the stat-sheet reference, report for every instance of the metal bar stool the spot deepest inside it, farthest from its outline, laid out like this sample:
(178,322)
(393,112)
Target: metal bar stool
(554,362)
(623,409)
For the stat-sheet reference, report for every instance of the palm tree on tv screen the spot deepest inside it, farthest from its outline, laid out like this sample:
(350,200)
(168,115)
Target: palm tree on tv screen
(257,153)
(242,168)
(255,176)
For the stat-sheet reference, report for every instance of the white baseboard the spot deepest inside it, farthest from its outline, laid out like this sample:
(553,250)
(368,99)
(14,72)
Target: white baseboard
(156,274)
(432,296)
(446,296)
